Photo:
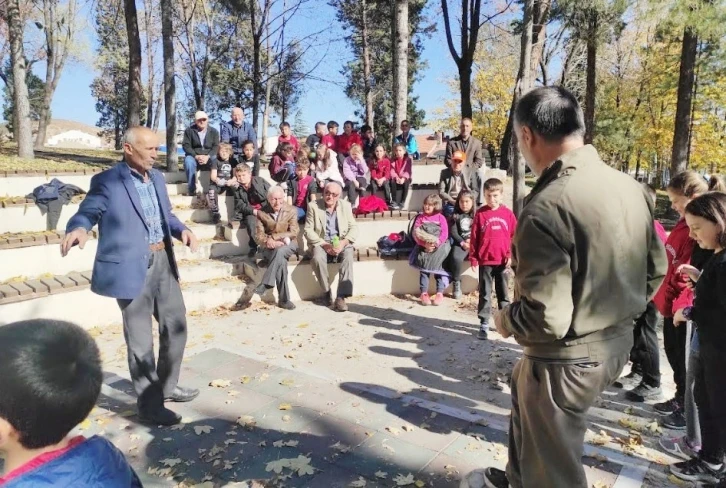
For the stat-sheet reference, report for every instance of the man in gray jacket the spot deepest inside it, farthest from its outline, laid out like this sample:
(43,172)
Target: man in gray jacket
(587,260)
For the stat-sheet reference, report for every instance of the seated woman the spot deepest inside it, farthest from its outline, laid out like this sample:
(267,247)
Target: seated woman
(355,174)
(326,166)
(460,224)
(276,234)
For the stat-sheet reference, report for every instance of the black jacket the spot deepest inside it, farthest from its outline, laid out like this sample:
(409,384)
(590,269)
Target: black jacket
(193,146)
(242,205)
(472,183)
(460,225)
(709,307)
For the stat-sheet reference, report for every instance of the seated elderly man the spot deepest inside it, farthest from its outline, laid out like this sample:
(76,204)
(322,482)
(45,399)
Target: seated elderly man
(331,230)
(276,235)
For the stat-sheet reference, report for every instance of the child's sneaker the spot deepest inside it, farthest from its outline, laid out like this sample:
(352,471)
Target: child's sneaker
(698,471)
(438,299)
(483,333)
(425,299)
(680,447)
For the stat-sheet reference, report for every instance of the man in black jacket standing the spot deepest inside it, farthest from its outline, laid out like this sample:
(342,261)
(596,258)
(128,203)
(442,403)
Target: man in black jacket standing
(201,143)
(249,197)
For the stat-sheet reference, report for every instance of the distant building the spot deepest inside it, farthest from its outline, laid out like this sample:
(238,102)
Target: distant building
(75,139)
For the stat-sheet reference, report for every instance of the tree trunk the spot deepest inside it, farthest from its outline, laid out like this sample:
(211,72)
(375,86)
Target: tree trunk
(400,63)
(256,65)
(637,165)
(157,109)
(591,73)
(167,34)
(268,93)
(150,95)
(686,79)
(135,87)
(368,90)
(189,10)
(465,89)
(22,132)
(524,84)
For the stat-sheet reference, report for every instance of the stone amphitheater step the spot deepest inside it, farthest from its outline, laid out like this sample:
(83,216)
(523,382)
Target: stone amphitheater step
(68,297)
(37,254)
(24,183)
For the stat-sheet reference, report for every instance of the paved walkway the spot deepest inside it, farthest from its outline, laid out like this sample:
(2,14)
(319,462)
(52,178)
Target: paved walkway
(313,398)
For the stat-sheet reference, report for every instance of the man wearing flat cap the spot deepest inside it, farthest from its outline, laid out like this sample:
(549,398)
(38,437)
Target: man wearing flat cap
(331,231)
(201,144)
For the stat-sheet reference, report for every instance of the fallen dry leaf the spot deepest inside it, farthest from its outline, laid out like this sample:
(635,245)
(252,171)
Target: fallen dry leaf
(361,482)
(245,379)
(408,428)
(220,383)
(286,418)
(247,421)
(282,443)
(285,406)
(402,480)
(203,429)
(170,462)
(393,430)
(381,474)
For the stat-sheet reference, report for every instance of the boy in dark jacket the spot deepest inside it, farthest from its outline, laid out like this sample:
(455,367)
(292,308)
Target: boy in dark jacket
(491,250)
(51,378)
(249,197)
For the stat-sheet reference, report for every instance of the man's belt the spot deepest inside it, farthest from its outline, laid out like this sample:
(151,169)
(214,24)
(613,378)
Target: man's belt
(159,246)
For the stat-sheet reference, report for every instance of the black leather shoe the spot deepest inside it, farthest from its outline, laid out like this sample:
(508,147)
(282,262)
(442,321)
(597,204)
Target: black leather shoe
(182,395)
(286,305)
(162,416)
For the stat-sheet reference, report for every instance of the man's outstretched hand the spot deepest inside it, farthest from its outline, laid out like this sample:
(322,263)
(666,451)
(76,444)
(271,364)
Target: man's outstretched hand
(499,325)
(189,239)
(76,236)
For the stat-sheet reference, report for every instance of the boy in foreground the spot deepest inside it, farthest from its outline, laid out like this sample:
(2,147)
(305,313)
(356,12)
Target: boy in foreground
(51,378)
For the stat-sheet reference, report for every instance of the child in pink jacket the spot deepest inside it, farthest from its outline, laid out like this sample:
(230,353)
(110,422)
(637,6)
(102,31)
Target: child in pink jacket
(400,175)
(431,233)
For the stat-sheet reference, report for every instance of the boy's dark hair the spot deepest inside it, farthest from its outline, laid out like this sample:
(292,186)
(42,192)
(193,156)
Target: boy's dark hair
(51,378)
(348,122)
(247,142)
(285,124)
(332,124)
(493,184)
(304,164)
(365,128)
(712,207)
(552,112)
(318,124)
(283,147)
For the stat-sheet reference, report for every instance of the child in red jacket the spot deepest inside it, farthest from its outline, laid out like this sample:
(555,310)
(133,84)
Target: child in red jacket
(380,168)
(674,294)
(286,135)
(491,250)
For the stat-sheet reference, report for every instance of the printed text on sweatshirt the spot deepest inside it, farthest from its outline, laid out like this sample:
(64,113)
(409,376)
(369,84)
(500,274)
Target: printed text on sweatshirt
(491,236)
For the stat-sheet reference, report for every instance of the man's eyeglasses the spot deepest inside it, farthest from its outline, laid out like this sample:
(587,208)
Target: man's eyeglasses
(331,194)
(201,120)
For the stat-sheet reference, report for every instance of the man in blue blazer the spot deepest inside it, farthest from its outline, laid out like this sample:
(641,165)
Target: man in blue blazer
(135,265)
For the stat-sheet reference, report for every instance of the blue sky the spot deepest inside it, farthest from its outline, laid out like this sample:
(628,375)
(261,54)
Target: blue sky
(73,100)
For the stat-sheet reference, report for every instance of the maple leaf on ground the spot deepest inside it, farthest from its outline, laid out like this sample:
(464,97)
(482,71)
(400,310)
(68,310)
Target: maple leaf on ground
(220,383)
(381,474)
(170,462)
(402,480)
(360,483)
(203,429)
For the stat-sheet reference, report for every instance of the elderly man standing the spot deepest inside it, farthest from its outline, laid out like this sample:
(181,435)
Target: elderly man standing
(236,131)
(276,236)
(331,230)
(201,144)
(587,261)
(135,265)
(472,148)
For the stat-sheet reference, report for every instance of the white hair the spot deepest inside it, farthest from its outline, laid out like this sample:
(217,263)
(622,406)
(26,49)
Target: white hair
(273,190)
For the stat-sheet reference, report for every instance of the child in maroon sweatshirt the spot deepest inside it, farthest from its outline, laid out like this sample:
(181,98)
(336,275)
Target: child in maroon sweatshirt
(491,250)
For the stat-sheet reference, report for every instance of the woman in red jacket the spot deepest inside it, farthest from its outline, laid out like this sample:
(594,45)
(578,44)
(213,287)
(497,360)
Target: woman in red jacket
(674,294)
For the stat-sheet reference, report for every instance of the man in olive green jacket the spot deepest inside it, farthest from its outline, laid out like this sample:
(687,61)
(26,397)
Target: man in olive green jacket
(331,230)
(587,261)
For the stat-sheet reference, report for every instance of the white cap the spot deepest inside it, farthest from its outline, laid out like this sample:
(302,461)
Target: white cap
(200,115)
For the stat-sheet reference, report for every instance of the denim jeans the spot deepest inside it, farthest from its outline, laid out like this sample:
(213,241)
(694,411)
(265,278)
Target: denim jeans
(190,168)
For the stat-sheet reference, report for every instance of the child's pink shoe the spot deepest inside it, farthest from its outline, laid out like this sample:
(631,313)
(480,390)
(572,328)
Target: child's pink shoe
(425,299)
(438,299)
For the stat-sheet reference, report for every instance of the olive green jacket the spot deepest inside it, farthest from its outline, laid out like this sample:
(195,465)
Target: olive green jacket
(587,260)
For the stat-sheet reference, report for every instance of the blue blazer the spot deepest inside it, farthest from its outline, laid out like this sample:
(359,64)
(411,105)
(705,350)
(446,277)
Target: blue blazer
(123,251)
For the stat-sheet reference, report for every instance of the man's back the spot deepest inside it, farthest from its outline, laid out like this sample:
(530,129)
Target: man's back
(587,231)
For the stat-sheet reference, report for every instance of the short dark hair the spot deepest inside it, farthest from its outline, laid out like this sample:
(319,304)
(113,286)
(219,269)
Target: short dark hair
(366,128)
(493,184)
(285,124)
(318,124)
(348,122)
(552,112)
(247,143)
(405,121)
(51,378)
(284,147)
(332,124)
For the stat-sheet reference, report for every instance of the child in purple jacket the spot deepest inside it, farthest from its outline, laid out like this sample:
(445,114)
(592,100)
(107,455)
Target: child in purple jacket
(355,174)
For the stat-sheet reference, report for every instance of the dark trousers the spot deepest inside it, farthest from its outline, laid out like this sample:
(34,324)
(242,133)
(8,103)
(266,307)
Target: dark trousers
(212,197)
(404,191)
(492,276)
(354,192)
(456,261)
(162,298)
(710,395)
(547,426)
(645,354)
(441,282)
(386,186)
(276,273)
(674,342)
(250,223)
